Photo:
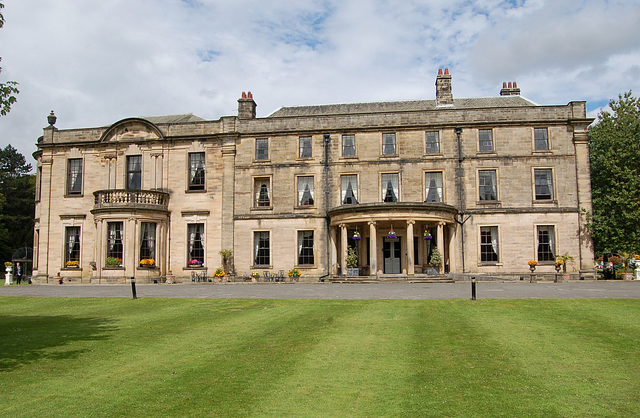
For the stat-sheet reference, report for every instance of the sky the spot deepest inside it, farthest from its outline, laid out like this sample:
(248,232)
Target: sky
(95,62)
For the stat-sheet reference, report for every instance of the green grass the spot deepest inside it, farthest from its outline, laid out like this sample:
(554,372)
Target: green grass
(217,357)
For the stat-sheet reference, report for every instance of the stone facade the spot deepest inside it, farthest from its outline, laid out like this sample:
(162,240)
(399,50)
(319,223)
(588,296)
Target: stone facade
(490,182)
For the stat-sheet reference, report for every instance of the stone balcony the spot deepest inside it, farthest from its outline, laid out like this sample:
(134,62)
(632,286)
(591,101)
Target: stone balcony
(119,199)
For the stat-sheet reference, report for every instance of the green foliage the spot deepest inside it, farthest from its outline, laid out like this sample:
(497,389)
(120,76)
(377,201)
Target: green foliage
(17,205)
(8,90)
(615,177)
(352,258)
(436,257)
(256,357)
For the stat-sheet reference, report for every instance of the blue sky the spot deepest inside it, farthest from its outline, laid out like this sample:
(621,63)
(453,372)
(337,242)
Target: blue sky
(98,61)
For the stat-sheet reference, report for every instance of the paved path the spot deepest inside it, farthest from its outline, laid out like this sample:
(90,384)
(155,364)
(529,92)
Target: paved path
(486,290)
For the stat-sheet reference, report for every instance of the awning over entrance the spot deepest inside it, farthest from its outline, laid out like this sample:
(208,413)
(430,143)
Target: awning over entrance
(418,227)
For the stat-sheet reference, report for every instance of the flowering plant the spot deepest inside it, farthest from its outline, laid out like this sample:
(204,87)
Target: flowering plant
(147,262)
(92,264)
(8,264)
(392,234)
(72,264)
(255,275)
(113,261)
(356,236)
(427,234)
(219,272)
(194,262)
(532,263)
(294,273)
(559,263)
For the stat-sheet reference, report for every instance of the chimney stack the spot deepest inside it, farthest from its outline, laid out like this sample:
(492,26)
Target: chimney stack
(444,96)
(246,106)
(509,89)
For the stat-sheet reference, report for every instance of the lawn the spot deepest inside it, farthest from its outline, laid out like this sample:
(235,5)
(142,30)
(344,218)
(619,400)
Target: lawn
(238,357)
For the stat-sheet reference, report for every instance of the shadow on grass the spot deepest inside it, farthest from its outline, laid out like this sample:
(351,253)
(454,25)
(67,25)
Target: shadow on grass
(25,339)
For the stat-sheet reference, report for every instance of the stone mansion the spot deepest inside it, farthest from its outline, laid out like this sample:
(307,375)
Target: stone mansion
(488,183)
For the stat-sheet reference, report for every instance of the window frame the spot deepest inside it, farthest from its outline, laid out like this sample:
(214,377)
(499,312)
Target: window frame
(301,246)
(193,172)
(74,253)
(300,196)
(383,189)
(79,175)
(427,143)
(552,243)
(352,146)
(193,253)
(483,244)
(148,253)
(343,192)
(552,195)
(385,143)
(261,150)
(482,186)
(302,148)
(256,248)
(545,139)
(481,147)
(133,174)
(255,196)
(111,250)
(424,188)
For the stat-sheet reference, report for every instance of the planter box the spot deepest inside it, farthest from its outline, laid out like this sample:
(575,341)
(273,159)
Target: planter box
(433,271)
(354,272)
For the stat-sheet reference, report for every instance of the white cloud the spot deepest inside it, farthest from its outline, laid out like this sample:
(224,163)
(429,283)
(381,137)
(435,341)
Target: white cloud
(95,62)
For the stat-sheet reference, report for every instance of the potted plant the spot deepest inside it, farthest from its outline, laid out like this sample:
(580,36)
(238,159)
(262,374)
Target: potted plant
(219,274)
(254,276)
(563,260)
(427,234)
(147,262)
(356,236)
(226,260)
(352,262)
(72,264)
(113,262)
(294,274)
(194,263)
(626,260)
(93,265)
(435,262)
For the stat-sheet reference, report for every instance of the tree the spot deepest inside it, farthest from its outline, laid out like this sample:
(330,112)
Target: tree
(17,202)
(8,90)
(615,177)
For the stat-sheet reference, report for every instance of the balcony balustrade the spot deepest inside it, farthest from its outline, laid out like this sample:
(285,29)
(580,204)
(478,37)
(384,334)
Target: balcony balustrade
(131,199)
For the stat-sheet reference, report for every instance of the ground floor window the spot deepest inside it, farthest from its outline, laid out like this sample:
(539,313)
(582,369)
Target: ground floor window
(195,234)
(261,250)
(546,243)
(114,240)
(147,241)
(489,244)
(72,246)
(305,248)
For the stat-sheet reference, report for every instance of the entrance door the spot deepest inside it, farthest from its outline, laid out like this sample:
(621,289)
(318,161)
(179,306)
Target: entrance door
(391,253)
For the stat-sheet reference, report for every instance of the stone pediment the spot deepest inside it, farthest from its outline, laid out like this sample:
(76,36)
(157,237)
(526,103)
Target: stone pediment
(132,130)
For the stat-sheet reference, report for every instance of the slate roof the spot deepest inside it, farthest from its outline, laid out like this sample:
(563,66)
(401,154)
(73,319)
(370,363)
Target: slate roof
(403,106)
(188,117)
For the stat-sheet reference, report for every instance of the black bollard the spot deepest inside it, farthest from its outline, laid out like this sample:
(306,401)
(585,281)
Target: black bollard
(473,288)
(133,287)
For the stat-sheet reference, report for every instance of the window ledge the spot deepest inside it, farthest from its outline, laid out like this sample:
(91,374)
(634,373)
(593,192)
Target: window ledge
(261,161)
(262,267)
(304,159)
(113,268)
(433,155)
(71,269)
(487,153)
(389,156)
(490,264)
(348,157)
(195,191)
(542,151)
(261,208)
(194,268)
(74,195)
(489,203)
(545,202)
(306,266)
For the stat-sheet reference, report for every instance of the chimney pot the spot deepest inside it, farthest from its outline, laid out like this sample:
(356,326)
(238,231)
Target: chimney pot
(249,95)
(504,84)
(244,95)
(439,71)
(446,71)
(515,85)
(510,85)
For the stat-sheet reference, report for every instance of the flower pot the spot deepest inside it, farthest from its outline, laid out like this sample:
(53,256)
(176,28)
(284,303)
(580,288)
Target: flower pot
(353,271)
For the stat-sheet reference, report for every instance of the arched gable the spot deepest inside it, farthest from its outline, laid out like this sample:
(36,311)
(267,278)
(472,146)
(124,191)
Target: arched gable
(132,130)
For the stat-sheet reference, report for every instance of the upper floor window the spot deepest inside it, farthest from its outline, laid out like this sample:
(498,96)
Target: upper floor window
(485,138)
(114,240)
(305,191)
(488,244)
(389,144)
(389,183)
(348,145)
(262,192)
(541,139)
(262,149)
(546,243)
(134,172)
(72,246)
(195,236)
(432,142)
(261,249)
(196,171)
(543,183)
(433,186)
(487,185)
(148,241)
(305,147)
(74,176)
(349,189)
(305,248)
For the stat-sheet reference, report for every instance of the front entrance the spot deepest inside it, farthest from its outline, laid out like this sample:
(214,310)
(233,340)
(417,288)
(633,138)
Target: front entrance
(391,253)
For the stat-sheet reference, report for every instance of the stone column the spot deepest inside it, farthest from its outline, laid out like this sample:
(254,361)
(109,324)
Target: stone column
(441,244)
(453,248)
(410,249)
(343,249)
(373,248)
(334,251)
